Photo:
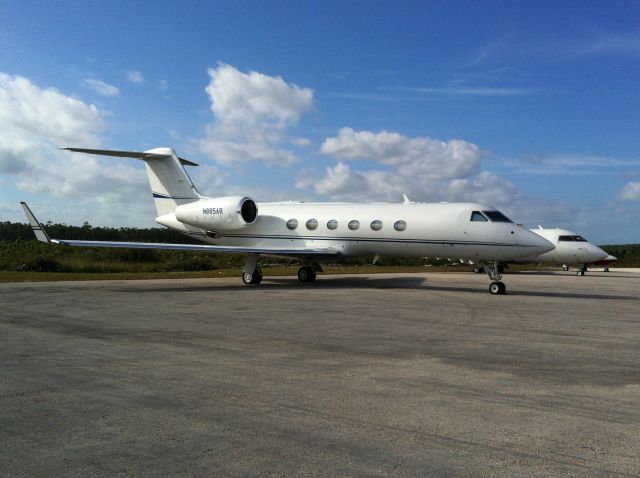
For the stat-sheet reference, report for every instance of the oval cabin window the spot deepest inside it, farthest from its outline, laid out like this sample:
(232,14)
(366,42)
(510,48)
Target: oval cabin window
(400,225)
(353,225)
(312,224)
(292,224)
(376,225)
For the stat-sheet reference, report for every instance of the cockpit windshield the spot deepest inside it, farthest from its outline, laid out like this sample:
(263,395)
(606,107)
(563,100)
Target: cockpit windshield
(572,238)
(496,216)
(477,216)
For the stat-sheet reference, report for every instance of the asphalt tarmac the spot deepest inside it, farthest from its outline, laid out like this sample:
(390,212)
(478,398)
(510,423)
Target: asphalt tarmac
(381,375)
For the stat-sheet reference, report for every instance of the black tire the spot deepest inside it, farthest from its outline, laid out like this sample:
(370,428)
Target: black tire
(478,269)
(249,278)
(257,278)
(497,288)
(306,274)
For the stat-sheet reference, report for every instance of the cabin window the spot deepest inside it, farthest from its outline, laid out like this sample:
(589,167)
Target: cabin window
(400,225)
(497,216)
(292,224)
(376,225)
(332,224)
(312,224)
(353,225)
(477,216)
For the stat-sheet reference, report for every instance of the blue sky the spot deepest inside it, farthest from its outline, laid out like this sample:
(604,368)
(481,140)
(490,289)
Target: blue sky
(532,107)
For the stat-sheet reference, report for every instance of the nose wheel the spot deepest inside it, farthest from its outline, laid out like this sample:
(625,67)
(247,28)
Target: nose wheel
(498,288)
(494,271)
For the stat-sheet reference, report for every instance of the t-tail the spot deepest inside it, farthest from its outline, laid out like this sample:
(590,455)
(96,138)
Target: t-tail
(170,184)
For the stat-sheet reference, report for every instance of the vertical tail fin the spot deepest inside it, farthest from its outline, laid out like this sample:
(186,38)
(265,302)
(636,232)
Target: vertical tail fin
(170,184)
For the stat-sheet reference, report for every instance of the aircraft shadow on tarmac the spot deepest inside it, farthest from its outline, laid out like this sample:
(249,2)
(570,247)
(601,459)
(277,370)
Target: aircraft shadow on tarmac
(278,283)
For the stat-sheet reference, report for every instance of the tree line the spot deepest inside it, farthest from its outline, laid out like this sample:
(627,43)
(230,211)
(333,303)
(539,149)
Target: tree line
(20,251)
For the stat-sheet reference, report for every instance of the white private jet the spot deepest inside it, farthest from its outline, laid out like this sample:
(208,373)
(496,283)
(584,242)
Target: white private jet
(570,249)
(317,232)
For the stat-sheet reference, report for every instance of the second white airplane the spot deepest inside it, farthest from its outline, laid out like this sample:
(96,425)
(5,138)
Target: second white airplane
(570,249)
(317,232)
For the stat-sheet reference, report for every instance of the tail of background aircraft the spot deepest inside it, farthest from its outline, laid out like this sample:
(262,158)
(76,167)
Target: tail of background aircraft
(170,184)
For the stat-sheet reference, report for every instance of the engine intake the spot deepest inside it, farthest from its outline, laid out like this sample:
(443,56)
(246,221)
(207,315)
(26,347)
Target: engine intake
(219,214)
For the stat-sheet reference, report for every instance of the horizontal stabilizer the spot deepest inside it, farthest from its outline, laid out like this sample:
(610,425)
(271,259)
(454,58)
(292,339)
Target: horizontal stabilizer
(127,154)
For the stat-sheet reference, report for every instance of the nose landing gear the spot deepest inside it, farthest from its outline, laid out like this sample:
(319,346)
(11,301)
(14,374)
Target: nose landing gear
(494,271)
(497,288)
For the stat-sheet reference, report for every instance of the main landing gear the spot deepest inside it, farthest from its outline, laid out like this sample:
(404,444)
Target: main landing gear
(252,272)
(306,274)
(581,270)
(494,271)
(254,277)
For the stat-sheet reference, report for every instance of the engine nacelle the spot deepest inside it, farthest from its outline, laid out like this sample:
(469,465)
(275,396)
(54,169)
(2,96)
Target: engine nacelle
(219,214)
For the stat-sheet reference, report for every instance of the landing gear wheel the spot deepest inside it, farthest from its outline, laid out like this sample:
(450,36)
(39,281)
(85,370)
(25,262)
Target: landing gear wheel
(478,269)
(497,288)
(249,278)
(606,269)
(306,274)
(580,272)
(565,267)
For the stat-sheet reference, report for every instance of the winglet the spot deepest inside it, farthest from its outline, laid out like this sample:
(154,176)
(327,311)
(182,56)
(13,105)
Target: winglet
(406,199)
(36,227)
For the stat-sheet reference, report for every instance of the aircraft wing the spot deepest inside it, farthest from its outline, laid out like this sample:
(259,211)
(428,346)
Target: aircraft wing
(42,236)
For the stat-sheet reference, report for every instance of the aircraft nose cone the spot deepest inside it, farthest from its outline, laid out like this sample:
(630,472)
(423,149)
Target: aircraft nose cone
(538,244)
(596,253)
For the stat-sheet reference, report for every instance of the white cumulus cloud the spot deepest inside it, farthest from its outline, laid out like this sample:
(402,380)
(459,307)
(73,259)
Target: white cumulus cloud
(35,122)
(100,87)
(252,113)
(630,192)
(423,156)
(426,169)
